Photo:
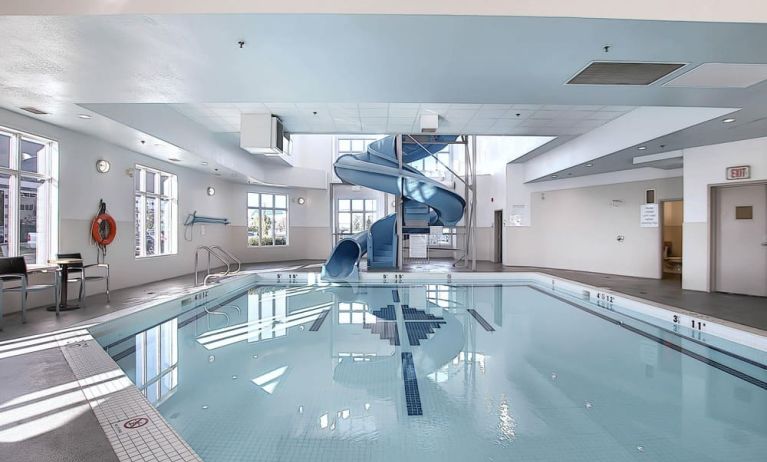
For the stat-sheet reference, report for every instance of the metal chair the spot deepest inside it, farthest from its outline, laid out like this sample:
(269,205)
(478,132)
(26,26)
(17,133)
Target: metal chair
(15,269)
(77,273)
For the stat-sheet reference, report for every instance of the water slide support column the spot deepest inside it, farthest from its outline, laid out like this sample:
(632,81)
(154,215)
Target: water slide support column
(473,203)
(332,211)
(398,204)
(470,195)
(467,211)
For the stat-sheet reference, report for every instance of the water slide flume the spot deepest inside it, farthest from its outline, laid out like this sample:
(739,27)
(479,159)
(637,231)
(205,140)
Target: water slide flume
(427,203)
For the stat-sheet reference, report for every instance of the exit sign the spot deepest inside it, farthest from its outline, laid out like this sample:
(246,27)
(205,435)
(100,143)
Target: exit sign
(741,172)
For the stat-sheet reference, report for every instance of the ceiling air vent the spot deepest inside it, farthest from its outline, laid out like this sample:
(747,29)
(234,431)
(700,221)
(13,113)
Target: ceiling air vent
(619,73)
(33,110)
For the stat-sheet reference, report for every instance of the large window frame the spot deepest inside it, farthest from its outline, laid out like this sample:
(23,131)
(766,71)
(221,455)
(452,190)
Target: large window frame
(347,209)
(30,210)
(355,313)
(354,144)
(266,206)
(157,361)
(163,194)
(267,315)
(433,169)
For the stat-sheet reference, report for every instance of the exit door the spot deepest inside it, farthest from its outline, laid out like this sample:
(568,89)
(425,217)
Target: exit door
(741,235)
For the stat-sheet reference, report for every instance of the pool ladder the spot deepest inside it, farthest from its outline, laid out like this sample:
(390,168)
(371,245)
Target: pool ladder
(222,255)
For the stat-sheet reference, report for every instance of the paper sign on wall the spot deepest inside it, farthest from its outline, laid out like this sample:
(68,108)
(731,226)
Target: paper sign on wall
(419,244)
(648,215)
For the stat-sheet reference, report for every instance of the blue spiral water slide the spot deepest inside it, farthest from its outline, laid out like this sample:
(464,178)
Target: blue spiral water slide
(426,202)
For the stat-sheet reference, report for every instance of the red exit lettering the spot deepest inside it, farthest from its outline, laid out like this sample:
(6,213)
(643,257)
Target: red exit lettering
(738,173)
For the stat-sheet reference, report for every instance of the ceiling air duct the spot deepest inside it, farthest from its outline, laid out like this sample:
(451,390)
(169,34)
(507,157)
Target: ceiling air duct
(429,123)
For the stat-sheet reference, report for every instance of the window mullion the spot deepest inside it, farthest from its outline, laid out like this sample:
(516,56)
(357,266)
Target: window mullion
(14,237)
(142,224)
(157,226)
(261,226)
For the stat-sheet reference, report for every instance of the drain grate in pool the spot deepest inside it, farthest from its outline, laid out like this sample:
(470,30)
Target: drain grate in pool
(482,322)
(318,322)
(395,295)
(412,397)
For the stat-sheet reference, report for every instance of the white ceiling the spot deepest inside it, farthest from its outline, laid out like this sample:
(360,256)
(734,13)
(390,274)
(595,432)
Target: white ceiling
(679,10)
(480,119)
(159,66)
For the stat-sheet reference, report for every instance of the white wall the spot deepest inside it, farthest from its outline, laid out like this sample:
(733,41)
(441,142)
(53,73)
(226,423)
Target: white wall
(81,187)
(703,167)
(309,226)
(491,196)
(314,151)
(576,228)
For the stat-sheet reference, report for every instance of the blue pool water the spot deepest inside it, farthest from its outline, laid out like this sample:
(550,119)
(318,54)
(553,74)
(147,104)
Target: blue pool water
(419,372)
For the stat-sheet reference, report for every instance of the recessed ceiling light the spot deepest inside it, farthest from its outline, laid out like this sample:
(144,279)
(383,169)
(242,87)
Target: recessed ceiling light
(589,165)
(729,120)
(84,116)
(174,159)
(554,176)
(204,163)
(642,148)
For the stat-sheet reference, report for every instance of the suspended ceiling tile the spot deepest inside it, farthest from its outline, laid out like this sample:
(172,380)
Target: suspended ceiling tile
(721,75)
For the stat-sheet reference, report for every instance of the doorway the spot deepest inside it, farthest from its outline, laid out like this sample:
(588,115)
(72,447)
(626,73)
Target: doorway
(672,248)
(498,237)
(740,237)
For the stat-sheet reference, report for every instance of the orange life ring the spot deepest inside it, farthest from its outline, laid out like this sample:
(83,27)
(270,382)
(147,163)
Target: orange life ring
(96,229)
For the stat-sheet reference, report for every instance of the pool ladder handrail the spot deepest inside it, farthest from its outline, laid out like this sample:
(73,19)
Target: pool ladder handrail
(227,259)
(229,255)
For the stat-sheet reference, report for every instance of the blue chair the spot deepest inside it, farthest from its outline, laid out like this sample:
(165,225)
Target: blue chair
(15,269)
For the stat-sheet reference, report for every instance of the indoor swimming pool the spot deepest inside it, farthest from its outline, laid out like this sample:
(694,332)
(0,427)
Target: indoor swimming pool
(467,370)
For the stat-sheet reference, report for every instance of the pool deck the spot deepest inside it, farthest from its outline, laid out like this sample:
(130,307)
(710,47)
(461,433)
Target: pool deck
(83,438)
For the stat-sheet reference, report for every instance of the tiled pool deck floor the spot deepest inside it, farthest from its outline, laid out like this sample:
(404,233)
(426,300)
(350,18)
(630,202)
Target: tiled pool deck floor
(42,387)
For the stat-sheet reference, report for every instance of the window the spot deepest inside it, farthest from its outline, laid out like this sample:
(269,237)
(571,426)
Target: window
(444,238)
(356,357)
(433,169)
(157,361)
(355,145)
(355,215)
(267,219)
(28,166)
(156,200)
(355,313)
(439,295)
(267,314)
